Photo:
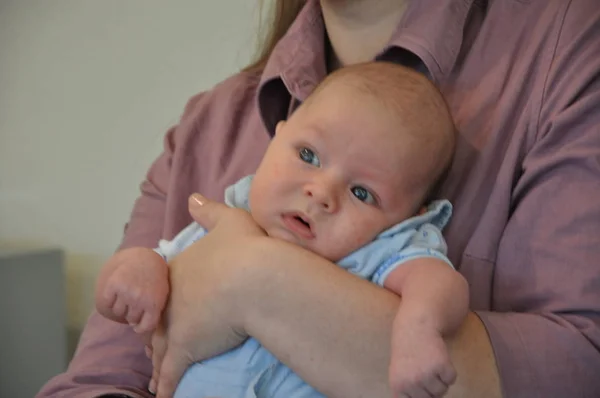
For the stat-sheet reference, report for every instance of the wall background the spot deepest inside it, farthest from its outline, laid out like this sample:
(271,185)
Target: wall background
(87,90)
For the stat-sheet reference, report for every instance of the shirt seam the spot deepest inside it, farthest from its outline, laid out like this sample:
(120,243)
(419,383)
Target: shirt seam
(479,258)
(547,78)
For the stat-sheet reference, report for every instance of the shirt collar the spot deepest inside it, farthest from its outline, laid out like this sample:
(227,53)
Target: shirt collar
(299,57)
(428,38)
(295,67)
(433,30)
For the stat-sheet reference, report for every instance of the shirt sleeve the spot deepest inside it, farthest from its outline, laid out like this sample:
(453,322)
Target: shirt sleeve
(170,248)
(110,354)
(426,242)
(545,330)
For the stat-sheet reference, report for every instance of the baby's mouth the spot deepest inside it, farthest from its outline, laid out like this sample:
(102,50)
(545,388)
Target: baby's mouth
(302,221)
(298,224)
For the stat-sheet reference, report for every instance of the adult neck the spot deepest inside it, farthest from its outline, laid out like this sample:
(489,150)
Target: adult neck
(359,29)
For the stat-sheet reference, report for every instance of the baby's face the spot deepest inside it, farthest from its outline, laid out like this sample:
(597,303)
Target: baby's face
(333,178)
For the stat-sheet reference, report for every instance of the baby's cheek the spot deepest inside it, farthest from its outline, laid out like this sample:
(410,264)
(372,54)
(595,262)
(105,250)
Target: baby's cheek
(364,237)
(368,231)
(354,238)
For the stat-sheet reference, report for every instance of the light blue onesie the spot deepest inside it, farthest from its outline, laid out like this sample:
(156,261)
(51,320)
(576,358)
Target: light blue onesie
(250,371)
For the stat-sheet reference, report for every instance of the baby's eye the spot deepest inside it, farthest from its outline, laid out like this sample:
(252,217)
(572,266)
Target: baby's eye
(308,156)
(363,195)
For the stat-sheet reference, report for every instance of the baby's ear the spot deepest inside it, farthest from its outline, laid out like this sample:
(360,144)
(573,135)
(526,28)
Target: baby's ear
(279,126)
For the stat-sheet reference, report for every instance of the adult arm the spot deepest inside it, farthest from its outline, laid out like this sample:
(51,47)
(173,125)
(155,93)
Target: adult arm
(542,338)
(331,327)
(334,329)
(546,331)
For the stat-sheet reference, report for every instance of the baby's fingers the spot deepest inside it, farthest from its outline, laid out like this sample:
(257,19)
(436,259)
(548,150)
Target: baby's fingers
(134,314)
(120,308)
(416,392)
(448,375)
(436,387)
(149,321)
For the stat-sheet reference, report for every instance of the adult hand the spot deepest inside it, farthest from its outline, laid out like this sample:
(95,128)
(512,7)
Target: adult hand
(205,314)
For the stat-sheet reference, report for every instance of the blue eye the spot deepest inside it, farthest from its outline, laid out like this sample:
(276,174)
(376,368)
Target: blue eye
(363,195)
(308,156)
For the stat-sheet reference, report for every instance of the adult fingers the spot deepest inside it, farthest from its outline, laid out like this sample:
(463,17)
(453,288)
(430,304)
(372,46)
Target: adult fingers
(174,365)
(158,351)
(153,383)
(204,211)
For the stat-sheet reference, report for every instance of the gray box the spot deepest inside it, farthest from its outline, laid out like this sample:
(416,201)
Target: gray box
(33,337)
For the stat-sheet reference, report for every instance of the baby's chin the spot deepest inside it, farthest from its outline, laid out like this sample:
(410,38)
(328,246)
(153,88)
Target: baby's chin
(313,246)
(286,236)
(282,234)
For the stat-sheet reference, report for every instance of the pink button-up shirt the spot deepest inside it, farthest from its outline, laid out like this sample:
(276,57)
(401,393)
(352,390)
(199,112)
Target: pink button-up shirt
(522,79)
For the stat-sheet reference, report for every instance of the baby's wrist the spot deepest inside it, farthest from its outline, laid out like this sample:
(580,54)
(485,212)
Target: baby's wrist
(417,319)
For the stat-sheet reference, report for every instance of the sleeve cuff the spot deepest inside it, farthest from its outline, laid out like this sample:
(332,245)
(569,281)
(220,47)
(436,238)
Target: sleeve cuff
(400,258)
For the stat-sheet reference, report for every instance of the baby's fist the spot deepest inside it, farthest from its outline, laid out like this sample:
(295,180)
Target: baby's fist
(138,288)
(420,365)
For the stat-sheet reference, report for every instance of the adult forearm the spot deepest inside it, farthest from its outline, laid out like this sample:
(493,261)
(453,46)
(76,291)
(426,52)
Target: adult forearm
(334,329)
(474,360)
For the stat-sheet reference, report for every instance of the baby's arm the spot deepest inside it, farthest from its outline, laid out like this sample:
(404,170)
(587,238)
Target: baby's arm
(435,302)
(133,288)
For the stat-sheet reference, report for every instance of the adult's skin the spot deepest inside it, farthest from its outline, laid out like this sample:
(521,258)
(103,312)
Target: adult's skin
(330,326)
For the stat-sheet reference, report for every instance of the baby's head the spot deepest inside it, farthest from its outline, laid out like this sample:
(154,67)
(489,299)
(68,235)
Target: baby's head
(361,154)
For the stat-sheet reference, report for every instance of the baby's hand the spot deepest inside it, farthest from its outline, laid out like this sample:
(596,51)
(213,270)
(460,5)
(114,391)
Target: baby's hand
(138,289)
(420,364)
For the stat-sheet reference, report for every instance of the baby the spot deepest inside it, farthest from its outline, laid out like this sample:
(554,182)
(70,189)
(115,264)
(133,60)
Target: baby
(347,177)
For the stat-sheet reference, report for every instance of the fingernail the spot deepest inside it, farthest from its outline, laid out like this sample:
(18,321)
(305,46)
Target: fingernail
(152,387)
(148,352)
(198,199)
